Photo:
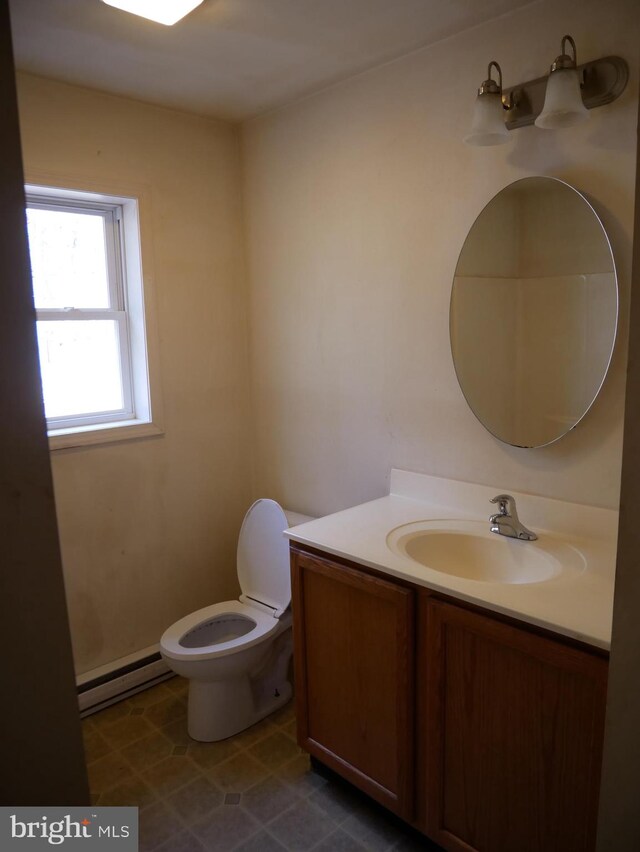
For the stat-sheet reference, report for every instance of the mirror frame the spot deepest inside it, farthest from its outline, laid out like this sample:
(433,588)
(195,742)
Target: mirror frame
(617,312)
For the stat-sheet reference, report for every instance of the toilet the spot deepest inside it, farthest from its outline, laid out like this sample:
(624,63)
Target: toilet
(236,654)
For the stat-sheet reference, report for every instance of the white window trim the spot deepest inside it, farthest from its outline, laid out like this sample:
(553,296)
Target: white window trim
(143,342)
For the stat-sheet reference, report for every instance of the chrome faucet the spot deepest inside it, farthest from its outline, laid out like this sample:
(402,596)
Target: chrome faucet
(506,521)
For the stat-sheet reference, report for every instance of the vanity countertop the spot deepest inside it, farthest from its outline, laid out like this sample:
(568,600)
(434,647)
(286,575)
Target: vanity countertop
(579,606)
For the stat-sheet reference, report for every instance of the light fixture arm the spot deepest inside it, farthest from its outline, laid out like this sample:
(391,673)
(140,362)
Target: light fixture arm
(573,45)
(494,64)
(564,60)
(490,86)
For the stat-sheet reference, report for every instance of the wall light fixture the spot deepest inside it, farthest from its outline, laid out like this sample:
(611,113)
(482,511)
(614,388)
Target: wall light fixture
(487,125)
(563,105)
(560,100)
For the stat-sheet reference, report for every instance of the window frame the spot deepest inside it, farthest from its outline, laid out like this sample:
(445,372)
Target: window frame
(128,305)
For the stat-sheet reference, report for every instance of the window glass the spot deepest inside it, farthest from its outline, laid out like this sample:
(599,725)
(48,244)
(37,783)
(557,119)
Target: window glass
(80,367)
(68,259)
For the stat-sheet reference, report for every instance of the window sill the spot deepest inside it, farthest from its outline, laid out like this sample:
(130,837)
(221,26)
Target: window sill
(103,433)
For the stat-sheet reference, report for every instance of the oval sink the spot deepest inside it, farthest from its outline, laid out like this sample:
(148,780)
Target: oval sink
(468,549)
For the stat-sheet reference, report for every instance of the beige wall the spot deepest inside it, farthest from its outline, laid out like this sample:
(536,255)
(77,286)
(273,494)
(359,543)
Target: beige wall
(148,528)
(358,201)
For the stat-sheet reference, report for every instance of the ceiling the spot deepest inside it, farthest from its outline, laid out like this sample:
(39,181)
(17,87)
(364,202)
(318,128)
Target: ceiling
(231,58)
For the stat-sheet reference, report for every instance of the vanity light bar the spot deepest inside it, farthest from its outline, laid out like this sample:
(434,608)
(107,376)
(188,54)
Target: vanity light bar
(561,99)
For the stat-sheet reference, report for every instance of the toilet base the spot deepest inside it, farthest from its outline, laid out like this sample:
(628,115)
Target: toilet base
(214,708)
(219,709)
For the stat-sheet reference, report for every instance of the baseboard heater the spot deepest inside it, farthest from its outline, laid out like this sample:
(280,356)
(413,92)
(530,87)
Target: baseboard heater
(120,679)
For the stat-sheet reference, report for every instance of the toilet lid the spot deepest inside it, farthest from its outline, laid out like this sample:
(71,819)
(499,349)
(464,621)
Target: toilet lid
(263,556)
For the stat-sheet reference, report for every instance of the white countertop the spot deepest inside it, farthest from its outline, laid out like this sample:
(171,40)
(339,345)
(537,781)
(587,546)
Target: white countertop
(577,606)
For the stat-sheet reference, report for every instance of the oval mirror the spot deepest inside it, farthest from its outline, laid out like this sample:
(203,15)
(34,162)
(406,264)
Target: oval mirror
(534,311)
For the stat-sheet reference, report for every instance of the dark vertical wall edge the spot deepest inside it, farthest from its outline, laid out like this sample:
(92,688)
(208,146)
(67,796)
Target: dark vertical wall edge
(42,753)
(619,824)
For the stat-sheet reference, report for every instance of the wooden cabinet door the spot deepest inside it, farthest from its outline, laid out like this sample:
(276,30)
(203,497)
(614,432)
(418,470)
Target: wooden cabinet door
(512,735)
(354,674)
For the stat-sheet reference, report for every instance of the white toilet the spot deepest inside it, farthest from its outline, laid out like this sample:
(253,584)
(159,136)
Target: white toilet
(236,654)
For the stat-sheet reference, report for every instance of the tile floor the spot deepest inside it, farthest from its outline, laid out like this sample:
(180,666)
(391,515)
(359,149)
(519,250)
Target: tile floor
(254,792)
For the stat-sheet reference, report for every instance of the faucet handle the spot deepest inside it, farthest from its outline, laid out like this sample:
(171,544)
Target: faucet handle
(506,504)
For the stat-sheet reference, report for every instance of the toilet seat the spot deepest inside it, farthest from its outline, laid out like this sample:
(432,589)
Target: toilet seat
(264,626)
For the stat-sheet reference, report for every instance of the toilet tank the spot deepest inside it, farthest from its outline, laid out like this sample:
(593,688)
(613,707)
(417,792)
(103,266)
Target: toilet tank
(295,518)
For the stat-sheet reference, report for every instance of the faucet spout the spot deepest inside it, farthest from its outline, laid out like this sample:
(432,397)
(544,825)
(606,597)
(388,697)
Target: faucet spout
(506,521)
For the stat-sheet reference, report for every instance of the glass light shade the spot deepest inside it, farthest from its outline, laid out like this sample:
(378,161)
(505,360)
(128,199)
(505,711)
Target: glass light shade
(487,126)
(563,105)
(166,12)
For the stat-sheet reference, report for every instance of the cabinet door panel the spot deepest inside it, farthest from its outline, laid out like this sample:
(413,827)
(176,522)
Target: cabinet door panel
(354,676)
(513,736)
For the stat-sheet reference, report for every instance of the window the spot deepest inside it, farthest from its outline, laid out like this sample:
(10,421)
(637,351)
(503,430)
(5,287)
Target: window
(87,285)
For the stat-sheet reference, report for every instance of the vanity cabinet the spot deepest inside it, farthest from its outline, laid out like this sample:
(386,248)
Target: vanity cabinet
(511,728)
(354,674)
(503,752)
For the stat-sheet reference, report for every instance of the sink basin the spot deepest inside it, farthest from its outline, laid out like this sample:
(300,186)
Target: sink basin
(468,549)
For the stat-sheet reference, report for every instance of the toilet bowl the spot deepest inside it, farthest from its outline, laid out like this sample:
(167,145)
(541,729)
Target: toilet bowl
(236,654)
